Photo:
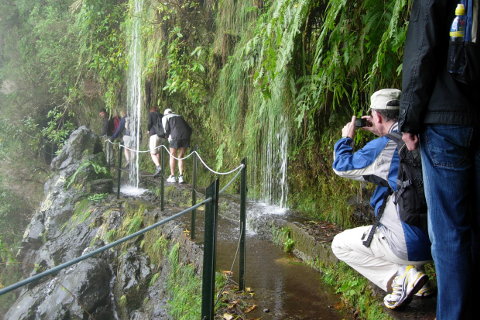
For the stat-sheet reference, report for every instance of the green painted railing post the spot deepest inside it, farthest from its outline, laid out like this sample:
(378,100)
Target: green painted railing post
(194,195)
(162,180)
(209,248)
(243,224)
(119,171)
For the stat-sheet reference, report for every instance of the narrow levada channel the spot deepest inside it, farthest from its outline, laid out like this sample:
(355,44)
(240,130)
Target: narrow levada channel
(284,288)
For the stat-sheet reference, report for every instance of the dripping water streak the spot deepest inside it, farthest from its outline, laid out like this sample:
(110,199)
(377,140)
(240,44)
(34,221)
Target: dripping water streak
(274,162)
(134,87)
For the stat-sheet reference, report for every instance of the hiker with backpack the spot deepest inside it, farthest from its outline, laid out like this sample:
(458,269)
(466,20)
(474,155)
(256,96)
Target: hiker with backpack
(178,132)
(391,252)
(123,131)
(155,119)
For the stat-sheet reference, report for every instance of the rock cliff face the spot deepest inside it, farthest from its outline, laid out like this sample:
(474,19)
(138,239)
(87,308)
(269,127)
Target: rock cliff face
(116,284)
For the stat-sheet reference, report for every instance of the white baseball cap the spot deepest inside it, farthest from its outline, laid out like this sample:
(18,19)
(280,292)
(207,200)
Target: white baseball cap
(385,99)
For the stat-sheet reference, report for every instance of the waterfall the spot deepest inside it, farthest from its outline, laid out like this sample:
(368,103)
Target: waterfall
(134,87)
(274,162)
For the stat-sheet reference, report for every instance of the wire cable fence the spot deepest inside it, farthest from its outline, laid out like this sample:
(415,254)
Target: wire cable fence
(195,192)
(178,159)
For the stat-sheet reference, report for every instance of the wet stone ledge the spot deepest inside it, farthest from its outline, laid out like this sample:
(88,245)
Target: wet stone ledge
(312,242)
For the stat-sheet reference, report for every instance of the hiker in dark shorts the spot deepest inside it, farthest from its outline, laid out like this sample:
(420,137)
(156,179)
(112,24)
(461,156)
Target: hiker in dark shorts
(178,132)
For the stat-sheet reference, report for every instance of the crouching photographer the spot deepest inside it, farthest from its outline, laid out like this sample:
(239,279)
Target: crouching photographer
(391,252)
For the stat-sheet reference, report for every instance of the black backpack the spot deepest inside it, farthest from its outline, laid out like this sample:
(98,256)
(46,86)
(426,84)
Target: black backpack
(410,196)
(158,128)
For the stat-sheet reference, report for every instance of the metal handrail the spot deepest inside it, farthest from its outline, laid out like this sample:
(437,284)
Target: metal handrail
(99,250)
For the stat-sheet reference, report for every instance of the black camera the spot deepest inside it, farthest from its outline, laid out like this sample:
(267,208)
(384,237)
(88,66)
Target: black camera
(360,123)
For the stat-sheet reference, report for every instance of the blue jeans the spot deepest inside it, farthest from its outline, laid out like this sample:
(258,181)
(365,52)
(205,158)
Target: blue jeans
(451,170)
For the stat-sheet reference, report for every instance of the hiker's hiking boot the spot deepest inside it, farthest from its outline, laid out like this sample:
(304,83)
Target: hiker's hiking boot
(157,171)
(171,179)
(404,287)
(180,179)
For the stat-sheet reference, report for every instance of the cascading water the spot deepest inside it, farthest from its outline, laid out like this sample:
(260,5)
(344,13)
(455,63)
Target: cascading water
(134,88)
(274,162)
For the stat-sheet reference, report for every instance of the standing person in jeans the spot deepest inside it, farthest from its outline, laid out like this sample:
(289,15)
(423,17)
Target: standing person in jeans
(441,114)
(393,260)
(154,141)
(178,132)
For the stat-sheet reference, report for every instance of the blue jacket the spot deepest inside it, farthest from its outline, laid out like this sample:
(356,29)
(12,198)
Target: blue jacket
(377,162)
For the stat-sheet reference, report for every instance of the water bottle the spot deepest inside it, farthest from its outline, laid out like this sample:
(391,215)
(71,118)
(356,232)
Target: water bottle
(457,30)
(456,50)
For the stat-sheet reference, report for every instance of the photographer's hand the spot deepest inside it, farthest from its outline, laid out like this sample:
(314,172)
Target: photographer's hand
(371,127)
(411,140)
(349,129)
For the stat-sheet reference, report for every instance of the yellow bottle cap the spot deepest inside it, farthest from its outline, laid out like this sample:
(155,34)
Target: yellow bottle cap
(460,10)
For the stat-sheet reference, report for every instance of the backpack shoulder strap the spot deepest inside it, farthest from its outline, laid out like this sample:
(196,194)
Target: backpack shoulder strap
(395,136)
(369,238)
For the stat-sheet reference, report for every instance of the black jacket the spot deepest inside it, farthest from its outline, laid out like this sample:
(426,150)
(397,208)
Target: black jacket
(107,127)
(153,118)
(430,95)
(176,128)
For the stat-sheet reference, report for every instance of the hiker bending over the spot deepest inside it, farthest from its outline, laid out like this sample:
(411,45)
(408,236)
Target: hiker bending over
(394,258)
(178,132)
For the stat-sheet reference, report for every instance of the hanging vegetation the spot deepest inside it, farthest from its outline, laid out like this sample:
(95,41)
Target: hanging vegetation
(272,81)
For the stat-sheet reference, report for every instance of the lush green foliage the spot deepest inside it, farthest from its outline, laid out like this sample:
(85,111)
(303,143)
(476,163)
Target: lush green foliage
(102,46)
(356,291)
(185,287)
(283,238)
(273,81)
(59,127)
(97,168)
(59,61)
(11,209)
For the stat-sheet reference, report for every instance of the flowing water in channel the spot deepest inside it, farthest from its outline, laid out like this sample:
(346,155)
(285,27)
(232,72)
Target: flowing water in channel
(284,287)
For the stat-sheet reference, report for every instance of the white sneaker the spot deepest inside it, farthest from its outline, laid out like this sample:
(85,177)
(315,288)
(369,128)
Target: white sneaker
(157,171)
(180,179)
(404,287)
(171,179)
(425,291)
